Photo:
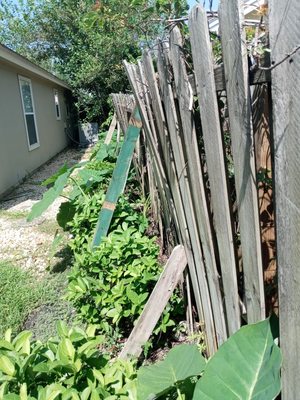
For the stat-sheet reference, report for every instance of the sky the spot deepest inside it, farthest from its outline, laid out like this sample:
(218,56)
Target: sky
(193,2)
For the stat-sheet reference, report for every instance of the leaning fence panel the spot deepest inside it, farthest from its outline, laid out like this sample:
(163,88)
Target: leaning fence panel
(239,107)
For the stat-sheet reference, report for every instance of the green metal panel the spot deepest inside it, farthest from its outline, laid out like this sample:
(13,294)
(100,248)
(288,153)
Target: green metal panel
(119,178)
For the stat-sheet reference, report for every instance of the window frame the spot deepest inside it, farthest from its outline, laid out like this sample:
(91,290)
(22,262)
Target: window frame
(37,144)
(56,93)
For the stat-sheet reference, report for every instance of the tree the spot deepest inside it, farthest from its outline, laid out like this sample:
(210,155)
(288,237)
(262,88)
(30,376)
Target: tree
(84,42)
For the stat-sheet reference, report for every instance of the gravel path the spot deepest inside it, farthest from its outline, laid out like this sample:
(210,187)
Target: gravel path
(28,245)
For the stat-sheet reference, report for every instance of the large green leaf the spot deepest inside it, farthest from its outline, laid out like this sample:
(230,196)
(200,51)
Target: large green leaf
(246,367)
(182,362)
(49,196)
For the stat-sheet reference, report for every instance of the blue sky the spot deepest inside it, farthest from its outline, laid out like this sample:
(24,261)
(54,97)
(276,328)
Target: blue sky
(193,2)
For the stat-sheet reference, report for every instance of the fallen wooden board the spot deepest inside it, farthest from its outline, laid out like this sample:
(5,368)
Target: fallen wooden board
(156,303)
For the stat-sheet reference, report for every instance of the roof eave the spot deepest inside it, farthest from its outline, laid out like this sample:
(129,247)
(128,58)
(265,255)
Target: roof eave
(22,62)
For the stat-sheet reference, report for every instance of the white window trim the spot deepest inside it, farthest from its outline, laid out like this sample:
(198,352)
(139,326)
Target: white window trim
(56,92)
(37,144)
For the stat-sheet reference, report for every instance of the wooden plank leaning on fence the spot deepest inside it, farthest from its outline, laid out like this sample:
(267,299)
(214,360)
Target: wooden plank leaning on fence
(156,303)
(215,160)
(285,38)
(119,178)
(239,107)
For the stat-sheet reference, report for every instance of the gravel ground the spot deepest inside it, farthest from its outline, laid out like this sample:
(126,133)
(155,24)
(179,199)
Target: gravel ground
(28,245)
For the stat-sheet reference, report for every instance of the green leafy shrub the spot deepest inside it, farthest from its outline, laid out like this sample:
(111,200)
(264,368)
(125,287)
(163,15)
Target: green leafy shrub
(70,367)
(110,285)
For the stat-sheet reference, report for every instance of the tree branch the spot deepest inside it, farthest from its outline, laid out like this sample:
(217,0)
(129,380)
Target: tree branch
(286,57)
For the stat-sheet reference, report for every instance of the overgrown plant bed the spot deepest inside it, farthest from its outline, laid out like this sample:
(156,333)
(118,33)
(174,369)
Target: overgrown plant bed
(109,285)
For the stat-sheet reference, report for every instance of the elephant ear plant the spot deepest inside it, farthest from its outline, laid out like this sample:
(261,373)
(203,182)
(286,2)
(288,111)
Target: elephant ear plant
(245,367)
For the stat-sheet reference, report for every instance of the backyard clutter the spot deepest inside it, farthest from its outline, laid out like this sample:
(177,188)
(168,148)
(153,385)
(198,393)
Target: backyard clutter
(173,282)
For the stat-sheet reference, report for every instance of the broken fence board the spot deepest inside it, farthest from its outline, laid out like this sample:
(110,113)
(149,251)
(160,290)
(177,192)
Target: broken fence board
(156,303)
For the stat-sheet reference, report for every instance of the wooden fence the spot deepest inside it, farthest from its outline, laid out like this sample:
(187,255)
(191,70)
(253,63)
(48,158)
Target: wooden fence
(206,158)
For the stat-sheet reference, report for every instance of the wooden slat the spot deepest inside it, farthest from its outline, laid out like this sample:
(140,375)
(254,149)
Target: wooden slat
(258,77)
(285,36)
(119,178)
(214,154)
(111,129)
(156,303)
(235,63)
(196,181)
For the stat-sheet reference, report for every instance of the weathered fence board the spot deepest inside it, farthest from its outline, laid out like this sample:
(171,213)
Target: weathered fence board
(243,155)
(119,178)
(156,304)
(257,77)
(215,160)
(285,36)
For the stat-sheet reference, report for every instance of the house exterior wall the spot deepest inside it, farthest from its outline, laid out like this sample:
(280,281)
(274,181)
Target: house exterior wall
(16,160)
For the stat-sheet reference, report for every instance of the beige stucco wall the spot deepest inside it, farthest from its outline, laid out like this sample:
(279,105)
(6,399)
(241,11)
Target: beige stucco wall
(16,160)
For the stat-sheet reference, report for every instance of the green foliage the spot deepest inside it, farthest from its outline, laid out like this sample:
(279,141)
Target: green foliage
(110,285)
(75,365)
(254,372)
(247,366)
(69,367)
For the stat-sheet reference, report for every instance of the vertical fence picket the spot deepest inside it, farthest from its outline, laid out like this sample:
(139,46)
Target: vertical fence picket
(239,108)
(215,160)
(284,38)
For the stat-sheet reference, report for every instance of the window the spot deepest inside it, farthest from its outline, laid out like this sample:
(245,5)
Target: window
(29,113)
(57,106)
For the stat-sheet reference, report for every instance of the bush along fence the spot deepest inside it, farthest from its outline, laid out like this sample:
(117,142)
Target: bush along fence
(207,161)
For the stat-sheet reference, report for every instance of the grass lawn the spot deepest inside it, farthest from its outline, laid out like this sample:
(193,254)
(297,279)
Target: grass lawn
(31,303)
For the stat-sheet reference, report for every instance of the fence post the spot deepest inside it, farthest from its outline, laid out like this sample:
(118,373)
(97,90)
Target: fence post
(285,36)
